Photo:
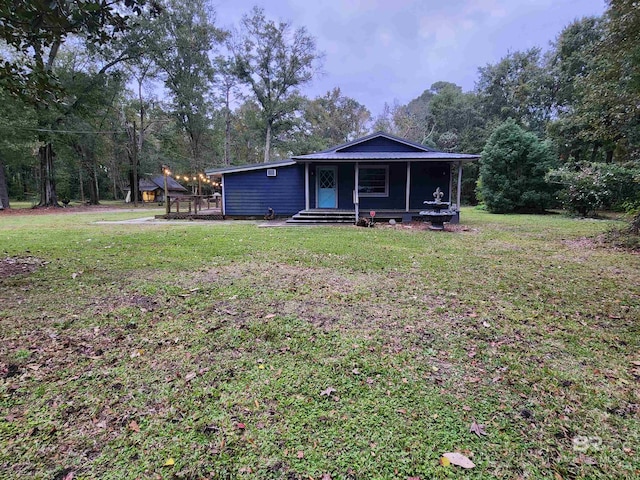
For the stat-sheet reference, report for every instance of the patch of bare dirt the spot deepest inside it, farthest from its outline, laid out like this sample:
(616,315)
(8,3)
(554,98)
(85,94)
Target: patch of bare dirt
(422,226)
(11,266)
(70,209)
(583,243)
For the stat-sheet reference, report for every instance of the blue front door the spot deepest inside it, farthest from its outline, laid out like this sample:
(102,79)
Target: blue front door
(327,179)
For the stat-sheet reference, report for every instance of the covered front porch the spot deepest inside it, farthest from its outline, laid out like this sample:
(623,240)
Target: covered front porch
(392,190)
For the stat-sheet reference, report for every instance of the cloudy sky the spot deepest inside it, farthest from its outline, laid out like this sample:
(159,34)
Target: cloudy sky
(381,51)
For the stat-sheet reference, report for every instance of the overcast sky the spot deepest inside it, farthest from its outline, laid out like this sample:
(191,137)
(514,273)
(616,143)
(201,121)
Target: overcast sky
(381,51)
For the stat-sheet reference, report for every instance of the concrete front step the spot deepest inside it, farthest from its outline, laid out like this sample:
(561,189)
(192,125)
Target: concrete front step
(319,216)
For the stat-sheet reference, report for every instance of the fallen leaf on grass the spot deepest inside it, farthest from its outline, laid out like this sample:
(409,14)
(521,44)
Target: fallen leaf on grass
(300,454)
(582,459)
(241,426)
(136,353)
(458,459)
(169,462)
(133,425)
(444,461)
(477,428)
(271,315)
(190,376)
(328,391)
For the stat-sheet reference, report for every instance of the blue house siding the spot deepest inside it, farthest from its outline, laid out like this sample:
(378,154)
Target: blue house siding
(346,181)
(380,144)
(425,178)
(252,193)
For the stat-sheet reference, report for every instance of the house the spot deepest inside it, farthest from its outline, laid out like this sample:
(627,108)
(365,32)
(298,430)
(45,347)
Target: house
(152,189)
(380,172)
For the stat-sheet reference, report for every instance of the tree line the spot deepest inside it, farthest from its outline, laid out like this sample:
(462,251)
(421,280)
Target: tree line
(94,95)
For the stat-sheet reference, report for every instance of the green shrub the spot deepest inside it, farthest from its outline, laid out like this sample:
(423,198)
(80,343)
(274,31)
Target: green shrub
(512,171)
(587,187)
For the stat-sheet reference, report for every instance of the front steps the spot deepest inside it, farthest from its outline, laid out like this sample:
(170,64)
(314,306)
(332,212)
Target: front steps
(318,216)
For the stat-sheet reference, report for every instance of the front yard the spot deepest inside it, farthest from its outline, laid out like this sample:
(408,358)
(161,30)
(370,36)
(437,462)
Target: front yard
(220,350)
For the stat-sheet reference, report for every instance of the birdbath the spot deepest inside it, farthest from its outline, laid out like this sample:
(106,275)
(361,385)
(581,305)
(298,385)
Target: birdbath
(437,212)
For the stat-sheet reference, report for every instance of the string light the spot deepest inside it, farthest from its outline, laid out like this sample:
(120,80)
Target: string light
(197,177)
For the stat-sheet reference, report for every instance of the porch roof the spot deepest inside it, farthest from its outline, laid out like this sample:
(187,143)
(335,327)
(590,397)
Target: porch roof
(383,147)
(249,167)
(387,157)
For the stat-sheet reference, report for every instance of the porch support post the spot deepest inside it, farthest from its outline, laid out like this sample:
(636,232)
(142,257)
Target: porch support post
(306,186)
(451,182)
(356,197)
(459,184)
(224,195)
(408,188)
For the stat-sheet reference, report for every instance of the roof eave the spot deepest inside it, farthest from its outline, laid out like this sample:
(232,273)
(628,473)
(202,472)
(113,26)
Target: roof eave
(249,167)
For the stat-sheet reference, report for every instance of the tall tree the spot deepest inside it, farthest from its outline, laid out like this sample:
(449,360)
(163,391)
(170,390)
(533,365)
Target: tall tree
(517,87)
(17,140)
(334,118)
(273,60)
(571,60)
(227,83)
(609,110)
(185,38)
(37,29)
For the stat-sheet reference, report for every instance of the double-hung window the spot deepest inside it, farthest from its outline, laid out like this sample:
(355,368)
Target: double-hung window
(373,181)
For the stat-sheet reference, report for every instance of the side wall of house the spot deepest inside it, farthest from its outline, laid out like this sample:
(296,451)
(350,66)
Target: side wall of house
(252,193)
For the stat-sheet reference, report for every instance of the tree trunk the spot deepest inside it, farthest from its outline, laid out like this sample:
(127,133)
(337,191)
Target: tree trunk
(4,191)
(81,183)
(48,196)
(267,143)
(94,193)
(609,158)
(115,188)
(594,152)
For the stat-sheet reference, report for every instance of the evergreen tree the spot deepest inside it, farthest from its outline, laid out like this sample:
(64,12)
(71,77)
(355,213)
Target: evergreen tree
(512,171)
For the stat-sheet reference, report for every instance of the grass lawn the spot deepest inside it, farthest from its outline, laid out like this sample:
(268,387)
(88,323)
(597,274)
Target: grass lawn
(223,350)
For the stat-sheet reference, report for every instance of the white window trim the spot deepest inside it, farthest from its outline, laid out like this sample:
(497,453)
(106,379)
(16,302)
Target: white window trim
(386,181)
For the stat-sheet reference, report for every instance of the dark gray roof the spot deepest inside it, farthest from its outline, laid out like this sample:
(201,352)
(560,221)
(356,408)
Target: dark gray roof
(378,134)
(172,184)
(155,183)
(387,156)
(249,167)
(396,149)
